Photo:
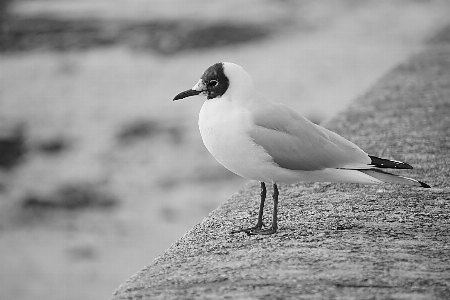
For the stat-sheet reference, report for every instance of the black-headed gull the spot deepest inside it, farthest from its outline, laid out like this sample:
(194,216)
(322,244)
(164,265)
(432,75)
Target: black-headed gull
(270,142)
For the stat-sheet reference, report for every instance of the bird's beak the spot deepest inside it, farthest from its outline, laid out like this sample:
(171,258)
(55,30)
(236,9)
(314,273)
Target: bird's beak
(197,89)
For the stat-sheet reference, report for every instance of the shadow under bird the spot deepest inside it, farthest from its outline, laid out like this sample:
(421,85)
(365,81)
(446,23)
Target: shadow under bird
(270,142)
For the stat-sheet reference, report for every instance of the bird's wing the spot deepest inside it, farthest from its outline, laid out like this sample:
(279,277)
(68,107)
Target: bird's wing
(296,143)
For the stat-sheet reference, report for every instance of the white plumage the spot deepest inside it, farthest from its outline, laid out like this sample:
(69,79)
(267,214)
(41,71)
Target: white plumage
(270,142)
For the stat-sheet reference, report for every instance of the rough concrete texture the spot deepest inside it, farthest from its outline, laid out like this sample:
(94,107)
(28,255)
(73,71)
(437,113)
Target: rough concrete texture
(336,241)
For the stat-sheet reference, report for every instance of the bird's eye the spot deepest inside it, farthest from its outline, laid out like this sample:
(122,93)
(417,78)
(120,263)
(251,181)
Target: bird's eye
(213,83)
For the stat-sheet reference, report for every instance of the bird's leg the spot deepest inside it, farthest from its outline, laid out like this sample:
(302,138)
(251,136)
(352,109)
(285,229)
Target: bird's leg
(259,224)
(275,208)
(274,227)
(257,230)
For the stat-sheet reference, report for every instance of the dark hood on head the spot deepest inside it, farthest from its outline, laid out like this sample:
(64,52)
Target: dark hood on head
(213,83)
(215,73)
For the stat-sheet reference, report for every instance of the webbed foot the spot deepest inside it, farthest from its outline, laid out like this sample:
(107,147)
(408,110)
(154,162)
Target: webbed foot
(256,230)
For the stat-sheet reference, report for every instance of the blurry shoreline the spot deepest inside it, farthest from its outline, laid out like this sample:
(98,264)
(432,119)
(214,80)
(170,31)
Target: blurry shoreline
(103,170)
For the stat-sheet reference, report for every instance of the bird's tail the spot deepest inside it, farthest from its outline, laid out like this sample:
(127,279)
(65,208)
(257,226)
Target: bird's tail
(388,163)
(388,177)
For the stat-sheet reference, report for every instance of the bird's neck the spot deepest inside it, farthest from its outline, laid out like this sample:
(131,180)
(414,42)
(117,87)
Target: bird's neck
(241,87)
(242,95)
(242,91)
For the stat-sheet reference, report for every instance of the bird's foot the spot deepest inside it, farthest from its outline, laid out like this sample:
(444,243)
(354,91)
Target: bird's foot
(267,231)
(256,230)
(247,230)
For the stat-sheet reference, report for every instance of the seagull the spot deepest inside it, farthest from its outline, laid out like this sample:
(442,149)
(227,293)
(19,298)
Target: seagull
(270,142)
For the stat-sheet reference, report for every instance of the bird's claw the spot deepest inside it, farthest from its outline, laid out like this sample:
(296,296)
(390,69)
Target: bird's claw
(256,230)
(246,230)
(267,231)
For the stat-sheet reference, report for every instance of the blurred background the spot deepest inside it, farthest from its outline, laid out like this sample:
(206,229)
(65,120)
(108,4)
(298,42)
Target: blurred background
(100,171)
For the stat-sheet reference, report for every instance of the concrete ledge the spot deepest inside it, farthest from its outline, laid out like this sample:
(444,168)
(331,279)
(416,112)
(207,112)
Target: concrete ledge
(336,241)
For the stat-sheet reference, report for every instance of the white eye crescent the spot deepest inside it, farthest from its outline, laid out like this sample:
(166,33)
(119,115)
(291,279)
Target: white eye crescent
(213,83)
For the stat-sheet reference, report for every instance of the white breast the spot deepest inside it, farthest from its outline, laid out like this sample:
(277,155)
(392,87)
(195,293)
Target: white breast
(223,127)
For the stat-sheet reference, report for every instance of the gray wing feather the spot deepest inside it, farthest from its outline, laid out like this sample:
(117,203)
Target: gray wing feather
(296,143)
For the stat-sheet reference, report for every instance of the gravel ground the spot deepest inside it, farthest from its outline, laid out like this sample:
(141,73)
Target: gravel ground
(336,241)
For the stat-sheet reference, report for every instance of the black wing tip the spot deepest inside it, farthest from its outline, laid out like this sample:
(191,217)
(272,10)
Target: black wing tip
(406,166)
(387,163)
(424,185)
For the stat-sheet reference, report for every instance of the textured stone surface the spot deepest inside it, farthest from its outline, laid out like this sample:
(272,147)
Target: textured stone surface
(336,241)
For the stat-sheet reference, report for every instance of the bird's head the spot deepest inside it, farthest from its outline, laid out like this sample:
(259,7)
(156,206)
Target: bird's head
(219,79)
